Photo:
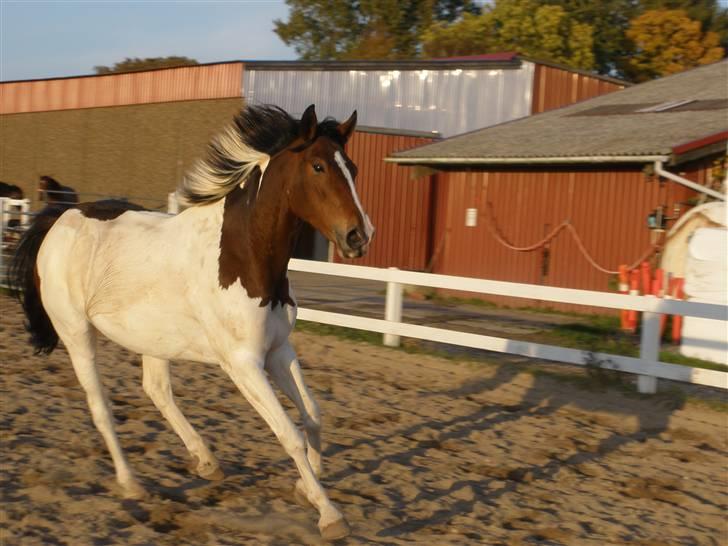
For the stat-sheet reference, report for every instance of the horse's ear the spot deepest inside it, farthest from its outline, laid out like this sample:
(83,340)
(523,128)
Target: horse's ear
(346,128)
(309,123)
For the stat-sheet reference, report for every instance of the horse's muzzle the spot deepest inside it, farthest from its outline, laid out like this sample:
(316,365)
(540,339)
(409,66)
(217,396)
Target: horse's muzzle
(355,244)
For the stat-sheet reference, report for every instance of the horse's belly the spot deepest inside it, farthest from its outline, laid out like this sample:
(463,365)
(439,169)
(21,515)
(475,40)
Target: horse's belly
(171,337)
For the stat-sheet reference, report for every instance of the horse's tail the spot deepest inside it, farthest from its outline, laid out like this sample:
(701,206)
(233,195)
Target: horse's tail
(25,283)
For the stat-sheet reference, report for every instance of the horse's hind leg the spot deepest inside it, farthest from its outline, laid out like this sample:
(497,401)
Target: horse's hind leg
(81,346)
(158,387)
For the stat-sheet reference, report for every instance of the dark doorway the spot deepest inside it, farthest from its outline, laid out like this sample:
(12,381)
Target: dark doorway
(311,245)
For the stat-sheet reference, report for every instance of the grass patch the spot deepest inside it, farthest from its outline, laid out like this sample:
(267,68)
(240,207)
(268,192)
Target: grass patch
(676,358)
(595,377)
(600,334)
(595,333)
(407,345)
(341,332)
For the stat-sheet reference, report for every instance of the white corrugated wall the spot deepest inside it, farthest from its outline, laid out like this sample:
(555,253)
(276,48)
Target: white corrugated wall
(448,102)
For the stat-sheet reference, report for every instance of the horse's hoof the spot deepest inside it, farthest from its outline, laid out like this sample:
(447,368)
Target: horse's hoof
(207,471)
(214,476)
(133,491)
(335,530)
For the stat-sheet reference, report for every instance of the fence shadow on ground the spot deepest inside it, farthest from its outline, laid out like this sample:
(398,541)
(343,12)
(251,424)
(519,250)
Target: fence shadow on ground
(541,401)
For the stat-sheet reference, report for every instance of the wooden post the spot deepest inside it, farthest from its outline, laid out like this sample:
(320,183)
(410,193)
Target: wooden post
(649,350)
(393,309)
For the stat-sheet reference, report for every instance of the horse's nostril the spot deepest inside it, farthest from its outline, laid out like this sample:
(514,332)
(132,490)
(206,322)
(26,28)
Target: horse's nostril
(354,238)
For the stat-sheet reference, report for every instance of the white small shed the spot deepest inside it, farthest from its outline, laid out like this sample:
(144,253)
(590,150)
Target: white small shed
(706,280)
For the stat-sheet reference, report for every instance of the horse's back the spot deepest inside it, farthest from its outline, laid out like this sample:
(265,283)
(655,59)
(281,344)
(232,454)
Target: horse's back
(83,248)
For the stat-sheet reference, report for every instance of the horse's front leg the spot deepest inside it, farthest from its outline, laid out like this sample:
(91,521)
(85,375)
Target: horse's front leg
(247,372)
(285,371)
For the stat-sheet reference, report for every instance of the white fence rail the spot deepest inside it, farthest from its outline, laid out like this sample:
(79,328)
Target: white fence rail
(647,366)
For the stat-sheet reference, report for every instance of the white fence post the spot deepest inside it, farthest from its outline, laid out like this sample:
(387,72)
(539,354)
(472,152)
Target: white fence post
(649,350)
(393,309)
(25,212)
(172,203)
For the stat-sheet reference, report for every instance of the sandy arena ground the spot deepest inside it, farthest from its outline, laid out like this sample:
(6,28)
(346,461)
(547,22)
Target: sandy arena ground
(418,450)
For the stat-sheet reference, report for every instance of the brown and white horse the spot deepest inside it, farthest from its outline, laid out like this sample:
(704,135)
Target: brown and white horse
(208,285)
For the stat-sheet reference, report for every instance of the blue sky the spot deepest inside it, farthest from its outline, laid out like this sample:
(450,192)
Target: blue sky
(43,39)
(49,38)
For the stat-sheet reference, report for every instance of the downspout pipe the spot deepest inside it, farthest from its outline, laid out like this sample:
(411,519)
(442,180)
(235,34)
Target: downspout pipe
(685,182)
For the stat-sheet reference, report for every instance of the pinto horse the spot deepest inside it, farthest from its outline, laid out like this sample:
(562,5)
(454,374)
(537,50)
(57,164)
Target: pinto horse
(208,285)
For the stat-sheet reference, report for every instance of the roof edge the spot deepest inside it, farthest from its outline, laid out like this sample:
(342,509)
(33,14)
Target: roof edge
(159,69)
(408,64)
(526,160)
(434,135)
(700,142)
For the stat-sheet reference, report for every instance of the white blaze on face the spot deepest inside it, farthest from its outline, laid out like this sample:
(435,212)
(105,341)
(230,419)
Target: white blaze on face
(368,227)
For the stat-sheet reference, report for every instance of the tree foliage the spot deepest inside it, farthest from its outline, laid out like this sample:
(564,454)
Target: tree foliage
(150,63)
(542,31)
(587,34)
(545,32)
(668,41)
(469,36)
(364,29)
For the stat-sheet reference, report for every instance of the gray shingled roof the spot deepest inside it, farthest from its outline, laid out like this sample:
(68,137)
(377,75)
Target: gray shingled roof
(603,127)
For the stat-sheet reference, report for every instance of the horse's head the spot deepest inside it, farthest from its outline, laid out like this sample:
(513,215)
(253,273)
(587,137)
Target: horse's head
(321,187)
(48,188)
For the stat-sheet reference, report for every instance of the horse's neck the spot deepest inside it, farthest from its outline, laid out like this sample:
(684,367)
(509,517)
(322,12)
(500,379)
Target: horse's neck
(258,234)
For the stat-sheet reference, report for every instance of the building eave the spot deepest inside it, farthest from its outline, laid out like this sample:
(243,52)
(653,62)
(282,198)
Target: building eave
(527,160)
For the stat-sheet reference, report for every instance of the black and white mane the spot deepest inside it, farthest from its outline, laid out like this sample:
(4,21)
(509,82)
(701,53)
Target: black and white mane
(256,134)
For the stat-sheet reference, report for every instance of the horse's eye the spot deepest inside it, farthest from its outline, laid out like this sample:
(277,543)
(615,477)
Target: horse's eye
(318,167)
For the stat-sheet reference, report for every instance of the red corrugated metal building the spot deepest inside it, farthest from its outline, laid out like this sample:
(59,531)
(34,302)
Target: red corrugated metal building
(592,166)
(86,130)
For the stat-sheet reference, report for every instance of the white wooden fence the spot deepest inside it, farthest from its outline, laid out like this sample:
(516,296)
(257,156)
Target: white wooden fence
(647,366)
(11,210)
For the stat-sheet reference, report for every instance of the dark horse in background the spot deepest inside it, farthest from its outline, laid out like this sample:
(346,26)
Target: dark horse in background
(53,193)
(11,191)
(207,285)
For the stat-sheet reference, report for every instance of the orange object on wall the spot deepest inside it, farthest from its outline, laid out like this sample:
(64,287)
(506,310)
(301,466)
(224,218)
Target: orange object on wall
(677,320)
(624,289)
(634,290)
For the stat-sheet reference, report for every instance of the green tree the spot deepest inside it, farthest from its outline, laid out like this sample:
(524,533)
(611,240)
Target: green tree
(585,34)
(545,32)
(611,18)
(471,35)
(668,41)
(364,29)
(150,63)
